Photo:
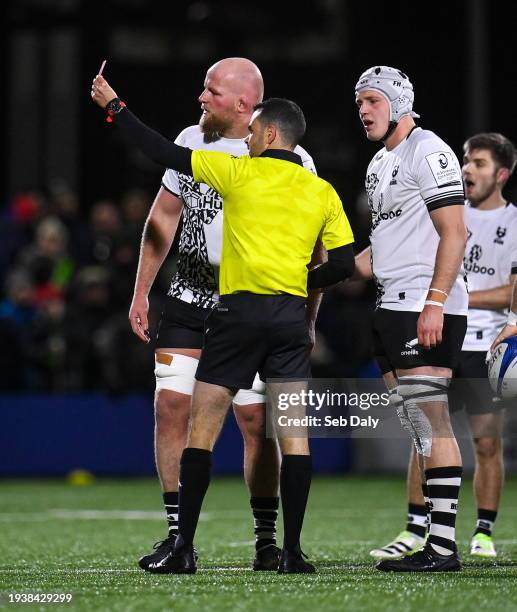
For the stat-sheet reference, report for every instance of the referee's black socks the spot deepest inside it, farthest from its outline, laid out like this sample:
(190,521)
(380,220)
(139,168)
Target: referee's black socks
(295,482)
(195,468)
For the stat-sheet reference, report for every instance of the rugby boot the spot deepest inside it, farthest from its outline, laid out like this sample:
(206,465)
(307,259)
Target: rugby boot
(266,559)
(182,561)
(293,562)
(161,550)
(425,560)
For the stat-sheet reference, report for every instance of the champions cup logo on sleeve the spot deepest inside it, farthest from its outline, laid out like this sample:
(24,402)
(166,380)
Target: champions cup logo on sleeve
(443,161)
(443,168)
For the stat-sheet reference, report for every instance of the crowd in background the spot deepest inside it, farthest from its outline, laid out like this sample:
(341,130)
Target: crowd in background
(66,282)
(67,279)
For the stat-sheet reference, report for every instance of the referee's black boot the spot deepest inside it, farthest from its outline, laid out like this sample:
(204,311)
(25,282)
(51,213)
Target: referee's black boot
(425,560)
(178,561)
(161,550)
(292,562)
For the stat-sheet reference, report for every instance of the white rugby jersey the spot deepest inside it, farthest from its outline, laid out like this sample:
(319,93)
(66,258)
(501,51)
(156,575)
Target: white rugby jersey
(200,242)
(404,185)
(490,259)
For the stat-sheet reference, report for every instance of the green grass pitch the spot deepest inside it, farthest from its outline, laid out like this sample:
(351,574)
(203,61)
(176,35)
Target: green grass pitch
(56,537)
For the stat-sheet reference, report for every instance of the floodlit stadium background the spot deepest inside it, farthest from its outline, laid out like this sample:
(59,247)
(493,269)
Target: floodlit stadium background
(75,385)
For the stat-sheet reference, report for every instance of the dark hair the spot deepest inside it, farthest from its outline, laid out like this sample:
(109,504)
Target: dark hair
(502,150)
(286,115)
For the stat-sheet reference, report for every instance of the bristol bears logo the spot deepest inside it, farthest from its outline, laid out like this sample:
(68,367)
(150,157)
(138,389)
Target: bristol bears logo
(393,175)
(499,235)
(372,180)
(475,253)
(471,265)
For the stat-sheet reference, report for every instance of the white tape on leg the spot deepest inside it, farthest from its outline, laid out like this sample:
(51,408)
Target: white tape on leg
(397,403)
(255,395)
(415,391)
(175,372)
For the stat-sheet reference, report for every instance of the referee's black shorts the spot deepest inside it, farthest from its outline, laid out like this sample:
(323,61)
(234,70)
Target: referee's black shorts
(248,333)
(396,344)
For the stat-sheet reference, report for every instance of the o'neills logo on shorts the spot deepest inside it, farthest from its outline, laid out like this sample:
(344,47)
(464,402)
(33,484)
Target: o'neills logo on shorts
(410,346)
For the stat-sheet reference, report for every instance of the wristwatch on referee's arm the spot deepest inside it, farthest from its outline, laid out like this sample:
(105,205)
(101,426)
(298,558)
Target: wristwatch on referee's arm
(113,107)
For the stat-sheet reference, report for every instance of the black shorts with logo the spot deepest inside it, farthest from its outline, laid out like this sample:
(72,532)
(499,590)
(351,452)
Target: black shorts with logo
(181,325)
(470,388)
(248,333)
(396,345)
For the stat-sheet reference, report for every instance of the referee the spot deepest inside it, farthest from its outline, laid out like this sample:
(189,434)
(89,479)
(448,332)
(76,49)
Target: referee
(274,211)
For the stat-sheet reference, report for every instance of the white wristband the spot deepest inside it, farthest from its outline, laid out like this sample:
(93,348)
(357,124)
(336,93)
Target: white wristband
(433,303)
(512,318)
(439,291)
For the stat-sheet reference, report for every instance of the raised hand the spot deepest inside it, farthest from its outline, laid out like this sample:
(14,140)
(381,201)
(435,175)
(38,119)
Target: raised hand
(101,91)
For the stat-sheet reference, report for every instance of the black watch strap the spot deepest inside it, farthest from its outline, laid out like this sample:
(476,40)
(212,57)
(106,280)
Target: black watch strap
(113,107)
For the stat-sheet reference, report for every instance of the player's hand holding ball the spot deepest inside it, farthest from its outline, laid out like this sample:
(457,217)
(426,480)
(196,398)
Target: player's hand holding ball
(101,92)
(507,331)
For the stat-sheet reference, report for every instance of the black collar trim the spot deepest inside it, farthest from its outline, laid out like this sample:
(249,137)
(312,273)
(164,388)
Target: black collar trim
(284,154)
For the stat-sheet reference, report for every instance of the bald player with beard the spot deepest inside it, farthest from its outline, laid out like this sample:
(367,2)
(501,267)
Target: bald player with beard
(232,87)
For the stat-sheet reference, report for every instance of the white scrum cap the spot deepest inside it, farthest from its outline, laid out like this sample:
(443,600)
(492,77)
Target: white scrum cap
(394,85)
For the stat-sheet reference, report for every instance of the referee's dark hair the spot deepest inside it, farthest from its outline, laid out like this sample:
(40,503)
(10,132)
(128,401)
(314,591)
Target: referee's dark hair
(286,115)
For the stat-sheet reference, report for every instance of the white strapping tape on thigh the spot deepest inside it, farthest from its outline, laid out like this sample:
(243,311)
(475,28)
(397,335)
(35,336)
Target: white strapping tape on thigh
(421,389)
(255,395)
(175,372)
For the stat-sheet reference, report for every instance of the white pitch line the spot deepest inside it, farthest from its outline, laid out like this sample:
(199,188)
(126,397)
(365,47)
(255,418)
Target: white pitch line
(152,515)
(89,515)
(97,570)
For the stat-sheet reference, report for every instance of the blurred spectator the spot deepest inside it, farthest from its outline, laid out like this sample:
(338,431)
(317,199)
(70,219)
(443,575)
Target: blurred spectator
(47,260)
(17,314)
(17,223)
(135,205)
(47,352)
(88,310)
(105,227)
(65,204)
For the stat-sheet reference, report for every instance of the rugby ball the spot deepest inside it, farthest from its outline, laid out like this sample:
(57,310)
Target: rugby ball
(502,369)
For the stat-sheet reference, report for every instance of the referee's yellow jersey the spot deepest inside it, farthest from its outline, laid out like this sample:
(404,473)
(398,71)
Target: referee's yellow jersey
(274,211)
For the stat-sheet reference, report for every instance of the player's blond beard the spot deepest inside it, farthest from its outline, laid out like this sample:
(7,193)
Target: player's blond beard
(213,127)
